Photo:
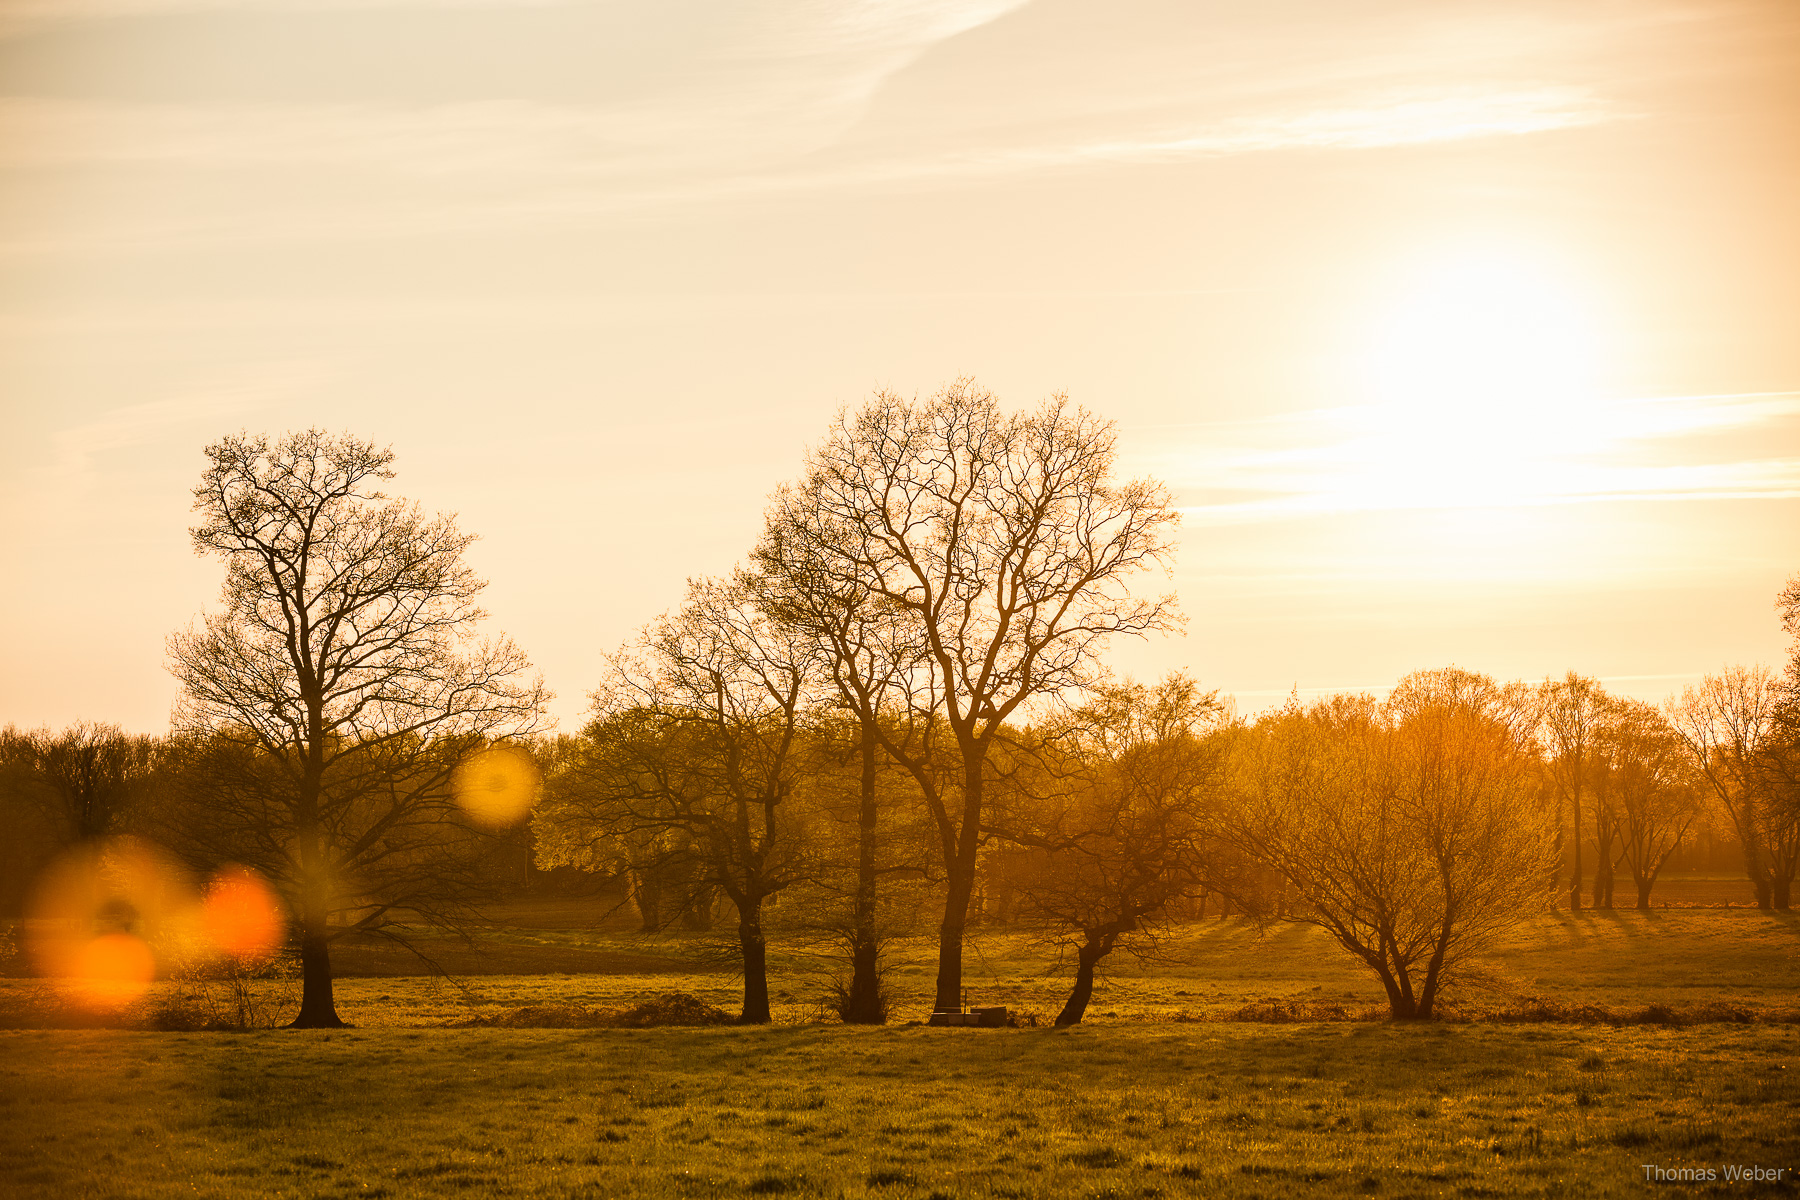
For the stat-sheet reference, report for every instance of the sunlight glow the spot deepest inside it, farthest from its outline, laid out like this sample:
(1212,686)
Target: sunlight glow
(1486,373)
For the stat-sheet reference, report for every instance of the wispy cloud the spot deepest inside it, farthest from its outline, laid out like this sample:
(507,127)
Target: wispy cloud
(504,163)
(1361,459)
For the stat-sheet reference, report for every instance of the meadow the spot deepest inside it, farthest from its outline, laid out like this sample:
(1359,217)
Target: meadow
(1159,1093)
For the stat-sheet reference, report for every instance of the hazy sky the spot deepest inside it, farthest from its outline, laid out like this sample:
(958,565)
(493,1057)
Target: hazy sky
(1465,332)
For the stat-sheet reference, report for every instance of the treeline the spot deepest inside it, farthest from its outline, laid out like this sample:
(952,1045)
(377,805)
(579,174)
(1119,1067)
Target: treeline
(892,719)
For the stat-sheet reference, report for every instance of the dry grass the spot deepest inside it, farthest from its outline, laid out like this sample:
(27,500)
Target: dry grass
(1252,1063)
(1219,1109)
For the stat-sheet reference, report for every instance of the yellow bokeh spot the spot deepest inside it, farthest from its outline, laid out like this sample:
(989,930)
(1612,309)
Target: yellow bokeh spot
(497,786)
(240,915)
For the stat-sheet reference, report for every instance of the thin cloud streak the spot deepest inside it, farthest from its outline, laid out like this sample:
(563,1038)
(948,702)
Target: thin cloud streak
(584,166)
(1370,462)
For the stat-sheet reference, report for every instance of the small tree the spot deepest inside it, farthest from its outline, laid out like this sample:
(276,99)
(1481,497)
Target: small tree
(1653,787)
(695,749)
(1126,834)
(1571,710)
(330,701)
(1412,831)
(874,665)
(1731,724)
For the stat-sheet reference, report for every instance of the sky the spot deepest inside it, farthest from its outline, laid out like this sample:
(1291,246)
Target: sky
(1463,332)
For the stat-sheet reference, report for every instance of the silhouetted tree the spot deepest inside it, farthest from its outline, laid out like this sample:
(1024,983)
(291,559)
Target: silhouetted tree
(874,662)
(1570,710)
(1127,833)
(82,780)
(1412,831)
(1653,788)
(1732,728)
(331,699)
(695,747)
(1002,544)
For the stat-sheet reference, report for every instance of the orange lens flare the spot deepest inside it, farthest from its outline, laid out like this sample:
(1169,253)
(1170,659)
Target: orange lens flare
(120,888)
(497,786)
(110,971)
(240,915)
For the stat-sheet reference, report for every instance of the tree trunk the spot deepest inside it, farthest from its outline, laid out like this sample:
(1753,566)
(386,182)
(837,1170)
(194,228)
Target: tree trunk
(1765,895)
(1085,959)
(698,915)
(647,894)
(756,967)
(318,1007)
(960,876)
(950,940)
(1400,1000)
(1575,879)
(1781,891)
(863,1006)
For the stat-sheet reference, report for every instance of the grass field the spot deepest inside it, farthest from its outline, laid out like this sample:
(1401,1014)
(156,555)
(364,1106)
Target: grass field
(814,1110)
(1131,1104)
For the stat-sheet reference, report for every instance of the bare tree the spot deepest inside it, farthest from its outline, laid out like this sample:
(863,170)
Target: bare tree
(333,696)
(1004,545)
(1571,709)
(876,667)
(696,747)
(1731,726)
(1412,831)
(1127,835)
(82,780)
(1653,787)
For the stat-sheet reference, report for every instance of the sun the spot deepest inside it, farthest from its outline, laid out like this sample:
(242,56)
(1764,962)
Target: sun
(1484,372)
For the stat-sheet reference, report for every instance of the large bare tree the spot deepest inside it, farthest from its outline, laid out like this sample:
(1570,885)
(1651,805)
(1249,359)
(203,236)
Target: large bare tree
(333,695)
(1004,543)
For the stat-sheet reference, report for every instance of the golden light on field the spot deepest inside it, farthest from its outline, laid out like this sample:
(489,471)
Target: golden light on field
(497,786)
(240,915)
(97,913)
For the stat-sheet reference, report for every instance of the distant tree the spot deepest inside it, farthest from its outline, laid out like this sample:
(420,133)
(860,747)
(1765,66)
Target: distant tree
(330,702)
(1003,545)
(83,780)
(1127,833)
(1571,711)
(1731,725)
(693,755)
(1412,831)
(1781,756)
(1653,788)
